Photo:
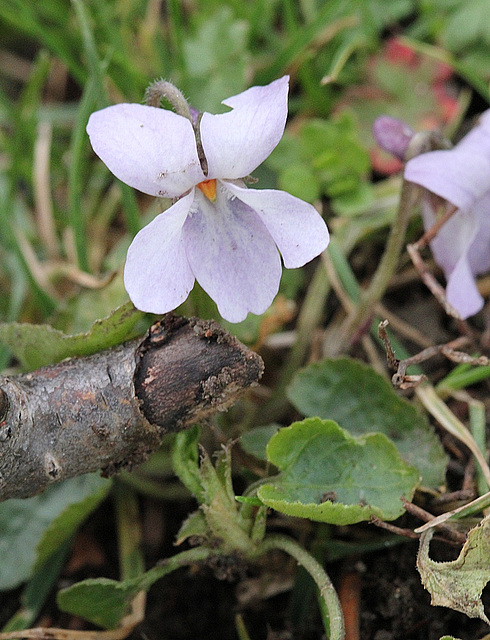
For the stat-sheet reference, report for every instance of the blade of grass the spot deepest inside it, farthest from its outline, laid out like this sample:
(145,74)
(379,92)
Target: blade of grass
(76,174)
(177,34)
(462,376)
(131,209)
(478,429)
(297,45)
(32,18)
(94,65)
(437,53)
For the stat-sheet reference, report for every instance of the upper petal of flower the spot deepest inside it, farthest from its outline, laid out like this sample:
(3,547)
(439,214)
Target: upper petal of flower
(478,139)
(459,175)
(296,226)
(157,275)
(151,149)
(235,143)
(232,255)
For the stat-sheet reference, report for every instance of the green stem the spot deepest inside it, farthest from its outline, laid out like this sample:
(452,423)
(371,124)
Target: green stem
(387,266)
(163,89)
(478,429)
(333,620)
(177,35)
(128,532)
(182,559)
(240,627)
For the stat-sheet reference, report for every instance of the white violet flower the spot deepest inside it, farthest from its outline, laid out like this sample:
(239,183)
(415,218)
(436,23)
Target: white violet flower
(218,231)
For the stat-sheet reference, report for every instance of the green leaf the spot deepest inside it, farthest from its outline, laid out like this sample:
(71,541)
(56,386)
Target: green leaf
(324,157)
(254,442)
(468,25)
(215,72)
(193,526)
(329,476)
(37,345)
(300,181)
(105,602)
(362,401)
(185,460)
(24,523)
(101,601)
(459,584)
(69,520)
(38,589)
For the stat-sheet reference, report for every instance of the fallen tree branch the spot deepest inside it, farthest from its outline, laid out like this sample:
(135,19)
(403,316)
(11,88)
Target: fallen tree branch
(109,411)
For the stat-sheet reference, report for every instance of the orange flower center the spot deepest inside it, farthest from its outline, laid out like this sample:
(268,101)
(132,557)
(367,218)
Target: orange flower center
(208,187)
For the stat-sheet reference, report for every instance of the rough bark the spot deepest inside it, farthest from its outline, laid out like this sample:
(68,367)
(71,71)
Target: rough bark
(111,410)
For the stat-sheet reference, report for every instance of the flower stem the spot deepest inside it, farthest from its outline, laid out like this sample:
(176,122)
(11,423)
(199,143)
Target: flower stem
(333,620)
(131,561)
(386,268)
(163,89)
(410,194)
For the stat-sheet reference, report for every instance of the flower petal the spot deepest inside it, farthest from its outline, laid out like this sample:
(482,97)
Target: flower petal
(151,149)
(453,239)
(157,275)
(461,290)
(296,226)
(235,143)
(458,175)
(477,141)
(452,248)
(232,255)
(479,252)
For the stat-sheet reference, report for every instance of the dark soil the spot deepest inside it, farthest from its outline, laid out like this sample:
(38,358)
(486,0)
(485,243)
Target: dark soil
(395,605)
(193,604)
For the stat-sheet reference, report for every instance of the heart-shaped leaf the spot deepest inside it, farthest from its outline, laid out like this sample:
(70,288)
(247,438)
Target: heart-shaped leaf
(362,401)
(329,476)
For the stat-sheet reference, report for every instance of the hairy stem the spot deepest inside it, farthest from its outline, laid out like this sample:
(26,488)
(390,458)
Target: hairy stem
(332,613)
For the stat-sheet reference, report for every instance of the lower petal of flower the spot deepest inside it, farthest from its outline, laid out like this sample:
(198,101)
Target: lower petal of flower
(453,239)
(232,255)
(157,275)
(462,291)
(479,252)
(296,226)
(453,249)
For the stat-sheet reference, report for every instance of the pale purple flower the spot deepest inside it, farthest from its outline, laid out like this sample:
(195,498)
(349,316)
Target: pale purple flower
(462,246)
(221,233)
